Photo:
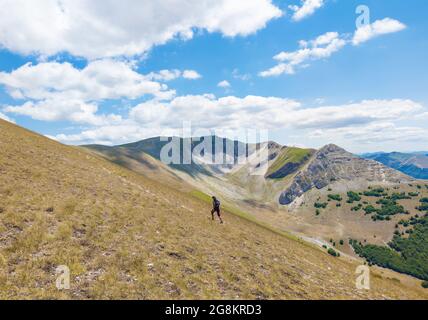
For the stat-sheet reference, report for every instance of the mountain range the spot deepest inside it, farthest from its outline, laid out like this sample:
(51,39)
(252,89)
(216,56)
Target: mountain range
(413,164)
(290,172)
(283,195)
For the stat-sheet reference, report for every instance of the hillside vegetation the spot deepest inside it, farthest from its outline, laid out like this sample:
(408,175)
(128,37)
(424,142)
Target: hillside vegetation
(127,237)
(407,252)
(288,161)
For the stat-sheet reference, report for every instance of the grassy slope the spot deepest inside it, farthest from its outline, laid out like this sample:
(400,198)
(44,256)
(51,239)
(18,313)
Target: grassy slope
(288,155)
(125,236)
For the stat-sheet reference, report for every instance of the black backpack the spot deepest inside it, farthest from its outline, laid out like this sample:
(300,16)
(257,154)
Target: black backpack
(216,203)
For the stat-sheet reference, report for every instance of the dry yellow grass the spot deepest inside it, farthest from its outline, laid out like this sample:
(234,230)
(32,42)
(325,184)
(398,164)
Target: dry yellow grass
(127,237)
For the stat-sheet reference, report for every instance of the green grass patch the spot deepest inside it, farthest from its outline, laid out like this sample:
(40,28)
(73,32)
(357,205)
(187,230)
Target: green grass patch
(289,155)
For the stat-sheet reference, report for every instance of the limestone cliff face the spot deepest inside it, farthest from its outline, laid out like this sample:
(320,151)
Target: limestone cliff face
(331,164)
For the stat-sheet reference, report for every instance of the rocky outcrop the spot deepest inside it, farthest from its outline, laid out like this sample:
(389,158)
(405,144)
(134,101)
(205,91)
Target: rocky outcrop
(331,164)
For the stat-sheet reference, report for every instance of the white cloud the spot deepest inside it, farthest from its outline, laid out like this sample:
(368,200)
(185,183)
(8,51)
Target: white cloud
(237,75)
(191,75)
(377,28)
(56,110)
(364,112)
(111,134)
(232,113)
(58,91)
(168,75)
(5,117)
(101,79)
(165,75)
(99,29)
(224,84)
(327,44)
(321,47)
(209,112)
(373,133)
(307,8)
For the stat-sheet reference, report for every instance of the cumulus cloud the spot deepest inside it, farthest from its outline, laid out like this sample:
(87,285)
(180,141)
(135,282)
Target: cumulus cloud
(224,84)
(377,28)
(321,47)
(327,44)
(153,118)
(362,113)
(99,29)
(101,79)
(191,75)
(209,112)
(373,133)
(128,131)
(56,110)
(168,75)
(165,75)
(307,8)
(59,91)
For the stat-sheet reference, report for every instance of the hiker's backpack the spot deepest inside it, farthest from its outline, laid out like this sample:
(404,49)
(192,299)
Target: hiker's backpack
(217,203)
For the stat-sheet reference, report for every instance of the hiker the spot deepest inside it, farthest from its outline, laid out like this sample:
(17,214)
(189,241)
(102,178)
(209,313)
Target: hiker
(216,208)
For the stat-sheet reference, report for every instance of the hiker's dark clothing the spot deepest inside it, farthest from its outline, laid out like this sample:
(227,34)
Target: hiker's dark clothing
(216,209)
(216,204)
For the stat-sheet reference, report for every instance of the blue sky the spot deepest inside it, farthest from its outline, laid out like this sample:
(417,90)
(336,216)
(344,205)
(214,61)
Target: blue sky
(101,81)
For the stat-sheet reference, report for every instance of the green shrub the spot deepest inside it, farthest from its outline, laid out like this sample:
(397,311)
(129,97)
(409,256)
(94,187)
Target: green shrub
(320,205)
(400,196)
(425,284)
(423,207)
(353,197)
(390,209)
(335,197)
(369,209)
(333,252)
(378,192)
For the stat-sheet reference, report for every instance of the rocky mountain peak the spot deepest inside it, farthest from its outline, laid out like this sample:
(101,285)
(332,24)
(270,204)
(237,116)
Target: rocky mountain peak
(331,164)
(331,148)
